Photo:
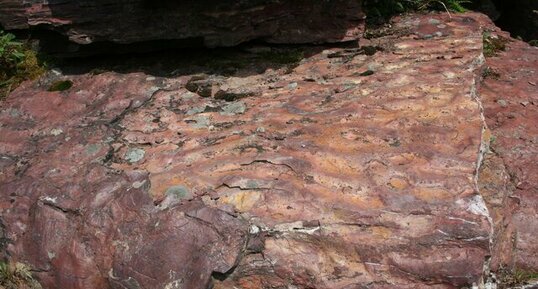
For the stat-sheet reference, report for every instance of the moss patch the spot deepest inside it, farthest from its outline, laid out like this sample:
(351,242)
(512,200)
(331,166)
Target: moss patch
(493,44)
(61,85)
(488,72)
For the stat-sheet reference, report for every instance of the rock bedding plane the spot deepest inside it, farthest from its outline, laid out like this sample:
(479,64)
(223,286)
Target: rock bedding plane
(191,22)
(356,167)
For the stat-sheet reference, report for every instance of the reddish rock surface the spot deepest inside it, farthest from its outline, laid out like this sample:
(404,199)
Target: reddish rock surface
(509,177)
(198,22)
(354,168)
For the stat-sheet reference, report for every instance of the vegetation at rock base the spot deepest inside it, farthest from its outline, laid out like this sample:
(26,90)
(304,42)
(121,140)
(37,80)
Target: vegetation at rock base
(383,9)
(516,277)
(17,63)
(17,276)
(492,44)
(488,72)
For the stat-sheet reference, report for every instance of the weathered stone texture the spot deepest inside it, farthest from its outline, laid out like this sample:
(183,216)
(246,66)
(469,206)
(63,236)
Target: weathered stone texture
(509,177)
(356,168)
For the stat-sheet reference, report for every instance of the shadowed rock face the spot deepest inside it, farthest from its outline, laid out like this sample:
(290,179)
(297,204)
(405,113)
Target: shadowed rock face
(355,168)
(519,17)
(208,22)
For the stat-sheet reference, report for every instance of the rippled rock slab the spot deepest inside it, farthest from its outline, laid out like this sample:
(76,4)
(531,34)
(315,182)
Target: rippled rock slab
(353,168)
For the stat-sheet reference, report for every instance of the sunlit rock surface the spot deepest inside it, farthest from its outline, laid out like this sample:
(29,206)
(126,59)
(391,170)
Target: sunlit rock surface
(352,168)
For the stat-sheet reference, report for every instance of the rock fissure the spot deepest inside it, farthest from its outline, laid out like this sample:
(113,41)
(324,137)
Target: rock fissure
(53,205)
(500,176)
(272,163)
(483,149)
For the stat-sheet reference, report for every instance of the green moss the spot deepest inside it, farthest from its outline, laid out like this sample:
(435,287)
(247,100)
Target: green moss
(488,72)
(17,63)
(61,85)
(492,44)
(526,276)
(492,143)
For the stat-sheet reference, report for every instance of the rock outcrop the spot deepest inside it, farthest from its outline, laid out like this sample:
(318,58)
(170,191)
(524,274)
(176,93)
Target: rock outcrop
(353,168)
(196,22)
(509,177)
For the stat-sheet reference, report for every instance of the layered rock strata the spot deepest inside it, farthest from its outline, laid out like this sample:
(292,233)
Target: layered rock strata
(197,22)
(353,168)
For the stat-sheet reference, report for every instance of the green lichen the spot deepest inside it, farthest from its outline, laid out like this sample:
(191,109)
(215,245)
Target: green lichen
(92,149)
(492,140)
(134,155)
(178,192)
(234,108)
(201,121)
